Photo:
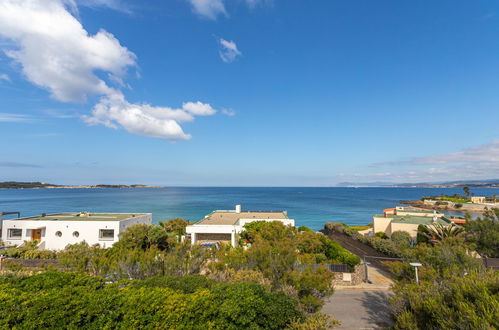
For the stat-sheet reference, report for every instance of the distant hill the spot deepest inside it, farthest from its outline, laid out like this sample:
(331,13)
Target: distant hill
(43,185)
(491,183)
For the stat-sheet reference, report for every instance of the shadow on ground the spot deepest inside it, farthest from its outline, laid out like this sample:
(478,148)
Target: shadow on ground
(377,308)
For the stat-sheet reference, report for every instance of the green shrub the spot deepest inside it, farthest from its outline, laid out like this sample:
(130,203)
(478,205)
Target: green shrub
(401,238)
(381,234)
(73,301)
(334,227)
(468,302)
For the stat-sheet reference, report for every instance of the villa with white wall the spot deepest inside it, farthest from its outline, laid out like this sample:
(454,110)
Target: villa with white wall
(56,231)
(225,225)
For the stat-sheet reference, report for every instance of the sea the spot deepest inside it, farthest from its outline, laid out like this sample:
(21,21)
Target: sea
(309,206)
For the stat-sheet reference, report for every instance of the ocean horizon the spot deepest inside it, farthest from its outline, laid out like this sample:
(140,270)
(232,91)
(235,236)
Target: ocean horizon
(309,206)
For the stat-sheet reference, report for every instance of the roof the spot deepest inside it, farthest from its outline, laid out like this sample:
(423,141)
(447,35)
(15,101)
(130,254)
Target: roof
(419,211)
(231,217)
(418,220)
(83,216)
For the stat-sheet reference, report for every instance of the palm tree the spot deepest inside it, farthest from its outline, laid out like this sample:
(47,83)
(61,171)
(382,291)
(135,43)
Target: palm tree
(438,232)
(466,191)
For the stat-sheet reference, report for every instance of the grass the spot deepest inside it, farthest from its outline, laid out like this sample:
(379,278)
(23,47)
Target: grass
(359,228)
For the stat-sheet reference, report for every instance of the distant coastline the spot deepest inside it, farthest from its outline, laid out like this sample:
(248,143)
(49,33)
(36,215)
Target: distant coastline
(43,185)
(491,183)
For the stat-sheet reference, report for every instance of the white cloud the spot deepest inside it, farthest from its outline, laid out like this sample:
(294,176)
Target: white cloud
(229,112)
(161,122)
(56,53)
(255,3)
(208,8)
(229,51)
(14,117)
(112,4)
(479,162)
(4,77)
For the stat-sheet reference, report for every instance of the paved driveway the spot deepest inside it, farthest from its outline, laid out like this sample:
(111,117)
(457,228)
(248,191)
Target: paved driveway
(360,309)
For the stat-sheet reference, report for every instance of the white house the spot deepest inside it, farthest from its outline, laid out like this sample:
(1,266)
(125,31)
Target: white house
(224,225)
(56,231)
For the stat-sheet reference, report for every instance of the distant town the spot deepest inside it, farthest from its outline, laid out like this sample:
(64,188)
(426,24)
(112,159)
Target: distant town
(489,183)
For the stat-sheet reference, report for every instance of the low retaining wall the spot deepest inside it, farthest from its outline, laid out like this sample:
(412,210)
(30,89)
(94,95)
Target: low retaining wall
(354,278)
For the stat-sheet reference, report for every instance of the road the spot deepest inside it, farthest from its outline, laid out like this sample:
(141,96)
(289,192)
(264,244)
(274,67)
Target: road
(360,308)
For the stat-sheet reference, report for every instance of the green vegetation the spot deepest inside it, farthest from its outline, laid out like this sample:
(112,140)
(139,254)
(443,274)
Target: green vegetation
(442,199)
(70,301)
(456,302)
(484,233)
(150,279)
(359,228)
(455,290)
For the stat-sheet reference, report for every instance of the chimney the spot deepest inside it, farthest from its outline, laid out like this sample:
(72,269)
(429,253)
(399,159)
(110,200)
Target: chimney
(238,208)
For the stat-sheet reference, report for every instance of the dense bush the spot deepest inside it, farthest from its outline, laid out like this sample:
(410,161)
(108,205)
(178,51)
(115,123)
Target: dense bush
(484,233)
(56,300)
(469,302)
(401,238)
(381,234)
(382,245)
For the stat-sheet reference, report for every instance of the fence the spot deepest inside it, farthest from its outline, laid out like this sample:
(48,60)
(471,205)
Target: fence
(336,268)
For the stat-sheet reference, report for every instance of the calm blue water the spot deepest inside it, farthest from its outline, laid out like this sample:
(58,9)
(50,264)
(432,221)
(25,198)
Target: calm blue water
(310,207)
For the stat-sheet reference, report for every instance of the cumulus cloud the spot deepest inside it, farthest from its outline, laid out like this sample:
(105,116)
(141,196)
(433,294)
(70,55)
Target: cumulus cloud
(115,112)
(228,52)
(208,8)
(56,53)
(4,77)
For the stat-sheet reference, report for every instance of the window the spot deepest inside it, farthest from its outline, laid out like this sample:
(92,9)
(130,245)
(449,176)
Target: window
(58,233)
(106,234)
(76,234)
(14,233)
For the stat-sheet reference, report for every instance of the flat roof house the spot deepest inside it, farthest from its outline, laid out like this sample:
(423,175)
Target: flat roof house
(408,220)
(56,231)
(224,225)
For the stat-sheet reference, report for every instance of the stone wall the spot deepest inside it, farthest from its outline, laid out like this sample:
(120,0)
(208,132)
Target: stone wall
(354,278)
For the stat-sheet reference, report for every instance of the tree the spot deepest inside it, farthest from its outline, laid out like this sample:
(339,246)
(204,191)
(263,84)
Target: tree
(484,233)
(466,191)
(176,226)
(143,236)
(438,232)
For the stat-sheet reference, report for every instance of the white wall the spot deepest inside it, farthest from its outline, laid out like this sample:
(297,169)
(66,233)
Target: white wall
(88,231)
(227,229)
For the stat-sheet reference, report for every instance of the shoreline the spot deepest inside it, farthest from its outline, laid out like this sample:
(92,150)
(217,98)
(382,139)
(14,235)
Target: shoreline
(450,206)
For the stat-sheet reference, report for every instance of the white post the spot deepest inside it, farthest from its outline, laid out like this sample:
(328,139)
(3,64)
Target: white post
(193,239)
(416,265)
(233,238)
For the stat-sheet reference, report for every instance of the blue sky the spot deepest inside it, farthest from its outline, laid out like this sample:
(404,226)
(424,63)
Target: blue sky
(248,92)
